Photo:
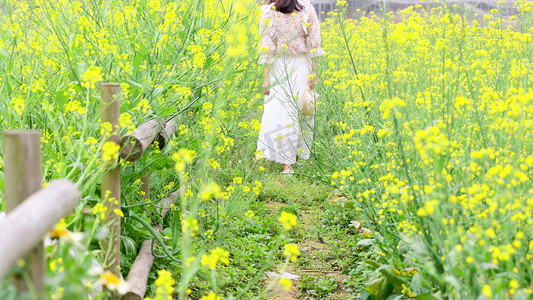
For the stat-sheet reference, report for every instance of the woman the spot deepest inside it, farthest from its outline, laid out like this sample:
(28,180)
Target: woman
(289,48)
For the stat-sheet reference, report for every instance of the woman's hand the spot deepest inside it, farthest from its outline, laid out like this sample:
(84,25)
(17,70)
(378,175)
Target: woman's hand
(266,82)
(266,86)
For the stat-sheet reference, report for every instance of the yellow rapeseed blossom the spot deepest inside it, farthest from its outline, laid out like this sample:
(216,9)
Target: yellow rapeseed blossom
(92,76)
(291,251)
(61,232)
(182,158)
(487,291)
(211,190)
(75,107)
(19,104)
(288,220)
(99,210)
(110,151)
(286,283)
(118,212)
(211,296)
(126,122)
(217,255)
(189,225)
(164,285)
(112,282)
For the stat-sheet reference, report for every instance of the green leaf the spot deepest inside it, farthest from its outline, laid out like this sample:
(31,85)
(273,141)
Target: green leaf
(375,286)
(128,245)
(426,296)
(389,273)
(365,296)
(386,291)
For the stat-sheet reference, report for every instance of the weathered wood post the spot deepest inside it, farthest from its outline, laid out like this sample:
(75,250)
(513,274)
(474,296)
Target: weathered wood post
(110,95)
(23,177)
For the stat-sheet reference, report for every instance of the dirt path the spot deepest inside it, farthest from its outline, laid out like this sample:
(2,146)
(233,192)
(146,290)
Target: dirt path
(319,277)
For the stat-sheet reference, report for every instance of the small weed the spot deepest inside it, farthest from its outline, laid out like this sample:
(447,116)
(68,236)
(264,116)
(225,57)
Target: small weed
(318,288)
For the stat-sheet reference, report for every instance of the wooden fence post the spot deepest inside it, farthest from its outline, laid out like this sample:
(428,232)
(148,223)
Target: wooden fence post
(23,177)
(110,94)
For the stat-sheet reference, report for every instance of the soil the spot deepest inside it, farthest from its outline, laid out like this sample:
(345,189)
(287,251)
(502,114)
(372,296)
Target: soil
(314,249)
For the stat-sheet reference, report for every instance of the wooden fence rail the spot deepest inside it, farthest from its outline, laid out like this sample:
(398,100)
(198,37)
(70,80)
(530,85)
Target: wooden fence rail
(35,216)
(134,145)
(31,211)
(28,223)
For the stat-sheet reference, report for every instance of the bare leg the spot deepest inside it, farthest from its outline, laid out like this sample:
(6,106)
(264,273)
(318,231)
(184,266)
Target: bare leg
(288,168)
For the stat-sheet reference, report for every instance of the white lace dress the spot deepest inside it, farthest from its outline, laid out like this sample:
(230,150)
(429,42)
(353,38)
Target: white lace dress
(289,41)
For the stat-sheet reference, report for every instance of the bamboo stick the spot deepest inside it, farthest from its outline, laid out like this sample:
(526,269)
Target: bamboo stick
(110,95)
(140,270)
(23,177)
(31,220)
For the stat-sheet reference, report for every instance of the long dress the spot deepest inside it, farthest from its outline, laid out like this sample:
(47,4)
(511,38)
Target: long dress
(289,42)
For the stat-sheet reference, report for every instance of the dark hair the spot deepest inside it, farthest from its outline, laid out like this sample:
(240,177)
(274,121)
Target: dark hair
(286,6)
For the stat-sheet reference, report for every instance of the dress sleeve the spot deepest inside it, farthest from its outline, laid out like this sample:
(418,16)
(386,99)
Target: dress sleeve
(314,40)
(267,47)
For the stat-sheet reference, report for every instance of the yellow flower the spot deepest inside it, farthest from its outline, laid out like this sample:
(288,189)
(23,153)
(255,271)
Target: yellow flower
(92,76)
(19,105)
(189,261)
(237,180)
(75,107)
(99,210)
(211,190)
(428,209)
(182,158)
(110,152)
(118,212)
(288,220)
(286,283)
(211,296)
(164,285)
(487,291)
(126,122)
(217,255)
(189,224)
(112,282)
(61,232)
(342,3)
(213,163)
(292,252)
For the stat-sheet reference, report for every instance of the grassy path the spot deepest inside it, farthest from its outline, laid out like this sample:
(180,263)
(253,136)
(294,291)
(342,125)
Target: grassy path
(329,266)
